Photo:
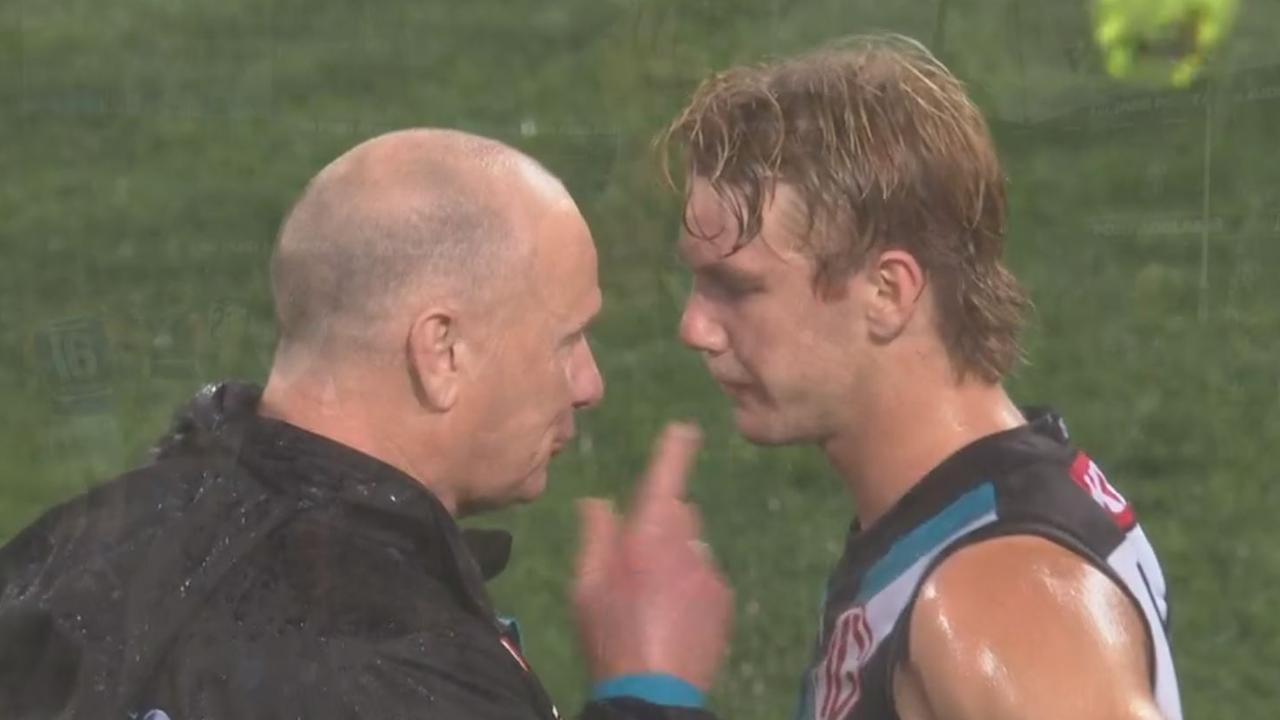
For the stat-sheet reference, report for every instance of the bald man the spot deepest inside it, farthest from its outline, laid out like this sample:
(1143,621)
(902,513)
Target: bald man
(291,551)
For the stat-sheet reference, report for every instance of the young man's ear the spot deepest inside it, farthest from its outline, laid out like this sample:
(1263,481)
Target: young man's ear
(895,285)
(433,359)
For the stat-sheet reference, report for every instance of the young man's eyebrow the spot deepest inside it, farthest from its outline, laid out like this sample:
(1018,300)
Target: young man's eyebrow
(723,273)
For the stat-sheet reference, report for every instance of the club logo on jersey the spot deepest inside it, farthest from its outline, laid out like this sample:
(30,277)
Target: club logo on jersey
(836,682)
(1089,477)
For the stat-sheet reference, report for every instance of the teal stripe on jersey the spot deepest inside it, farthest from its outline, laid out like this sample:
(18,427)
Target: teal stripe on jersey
(925,538)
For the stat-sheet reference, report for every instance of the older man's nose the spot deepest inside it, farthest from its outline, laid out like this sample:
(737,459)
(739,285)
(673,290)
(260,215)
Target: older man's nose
(588,383)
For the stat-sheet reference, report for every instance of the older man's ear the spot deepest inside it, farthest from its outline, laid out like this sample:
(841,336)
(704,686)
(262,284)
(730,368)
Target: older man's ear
(433,359)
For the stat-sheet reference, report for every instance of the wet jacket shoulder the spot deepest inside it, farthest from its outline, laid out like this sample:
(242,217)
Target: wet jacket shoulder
(254,570)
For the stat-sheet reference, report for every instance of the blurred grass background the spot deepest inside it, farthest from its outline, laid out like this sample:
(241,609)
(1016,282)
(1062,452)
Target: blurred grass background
(150,148)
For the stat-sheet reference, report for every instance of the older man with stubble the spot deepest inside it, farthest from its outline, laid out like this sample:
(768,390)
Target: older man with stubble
(292,551)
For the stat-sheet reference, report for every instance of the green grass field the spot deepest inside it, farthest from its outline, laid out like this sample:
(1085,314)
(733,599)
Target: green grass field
(149,149)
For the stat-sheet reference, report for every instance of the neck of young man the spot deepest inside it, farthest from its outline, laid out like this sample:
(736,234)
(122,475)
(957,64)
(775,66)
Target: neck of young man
(902,437)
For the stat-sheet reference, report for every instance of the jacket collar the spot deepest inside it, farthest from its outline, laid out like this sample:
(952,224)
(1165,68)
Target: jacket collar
(315,471)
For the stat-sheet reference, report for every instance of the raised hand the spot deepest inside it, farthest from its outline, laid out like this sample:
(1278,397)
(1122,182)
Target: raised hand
(647,594)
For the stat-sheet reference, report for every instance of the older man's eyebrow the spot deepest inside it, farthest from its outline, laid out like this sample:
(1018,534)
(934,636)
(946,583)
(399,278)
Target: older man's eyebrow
(586,323)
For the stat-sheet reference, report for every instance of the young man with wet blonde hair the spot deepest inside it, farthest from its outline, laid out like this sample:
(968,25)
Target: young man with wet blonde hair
(844,223)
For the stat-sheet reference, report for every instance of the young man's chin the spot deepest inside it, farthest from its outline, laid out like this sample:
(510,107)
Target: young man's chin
(759,428)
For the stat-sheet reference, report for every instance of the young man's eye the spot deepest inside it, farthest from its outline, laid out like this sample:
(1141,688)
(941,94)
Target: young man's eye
(730,288)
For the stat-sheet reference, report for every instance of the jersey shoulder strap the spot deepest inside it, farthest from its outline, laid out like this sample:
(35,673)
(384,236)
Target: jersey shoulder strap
(1073,505)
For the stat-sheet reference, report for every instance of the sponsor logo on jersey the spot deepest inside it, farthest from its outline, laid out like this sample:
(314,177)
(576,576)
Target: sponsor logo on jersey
(1089,476)
(836,681)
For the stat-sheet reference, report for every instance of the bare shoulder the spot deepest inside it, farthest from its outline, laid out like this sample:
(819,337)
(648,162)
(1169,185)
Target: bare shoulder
(1020,627)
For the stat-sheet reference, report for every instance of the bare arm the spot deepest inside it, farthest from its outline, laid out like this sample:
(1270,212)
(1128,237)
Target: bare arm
(1018,628)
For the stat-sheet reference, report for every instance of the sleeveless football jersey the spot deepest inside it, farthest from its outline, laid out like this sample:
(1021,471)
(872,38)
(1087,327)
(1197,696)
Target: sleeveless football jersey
(1025,481)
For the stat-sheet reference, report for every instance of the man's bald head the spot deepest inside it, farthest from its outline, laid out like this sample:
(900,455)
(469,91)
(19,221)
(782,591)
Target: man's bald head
(433,291)
(407,216)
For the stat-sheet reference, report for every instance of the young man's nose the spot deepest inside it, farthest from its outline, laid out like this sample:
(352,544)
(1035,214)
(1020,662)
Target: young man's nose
(698,330)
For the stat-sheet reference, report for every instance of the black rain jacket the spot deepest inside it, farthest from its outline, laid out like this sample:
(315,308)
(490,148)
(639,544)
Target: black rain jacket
(255,570)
